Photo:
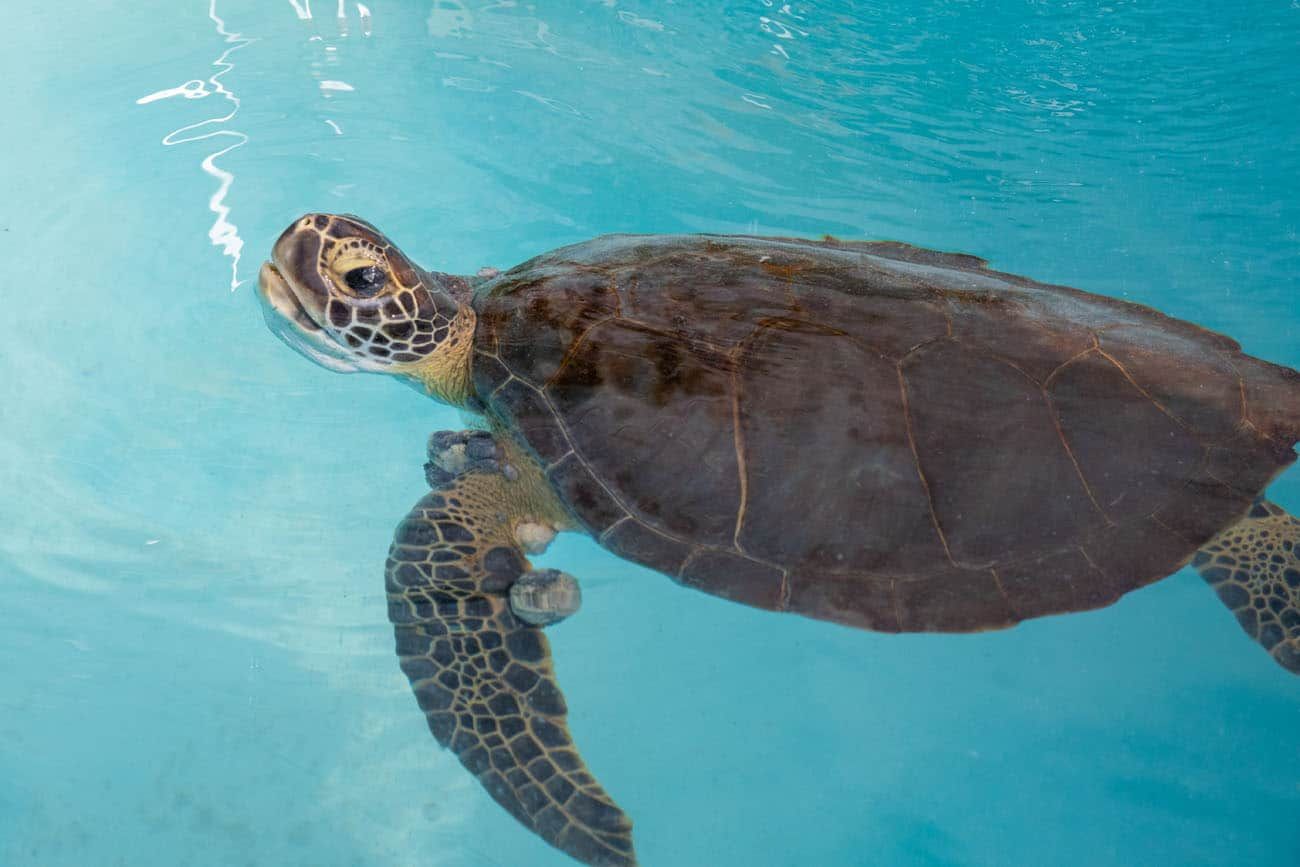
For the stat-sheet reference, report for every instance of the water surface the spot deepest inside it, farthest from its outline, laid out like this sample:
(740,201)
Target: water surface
(195,665)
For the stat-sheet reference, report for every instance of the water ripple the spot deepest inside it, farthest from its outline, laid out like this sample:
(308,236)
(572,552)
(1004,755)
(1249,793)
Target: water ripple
(224,233)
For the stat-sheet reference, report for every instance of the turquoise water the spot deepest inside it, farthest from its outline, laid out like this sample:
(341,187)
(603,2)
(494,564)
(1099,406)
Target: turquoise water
(195,664)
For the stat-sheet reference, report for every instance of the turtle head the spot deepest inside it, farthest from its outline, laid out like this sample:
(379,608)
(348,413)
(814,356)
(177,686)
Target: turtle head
(343,295)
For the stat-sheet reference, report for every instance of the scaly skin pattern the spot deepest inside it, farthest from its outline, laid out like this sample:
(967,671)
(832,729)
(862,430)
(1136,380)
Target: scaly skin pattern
(340,293)
(484,677)
(1255,568)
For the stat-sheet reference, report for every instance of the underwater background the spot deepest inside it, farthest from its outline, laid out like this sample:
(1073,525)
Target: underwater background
(195,663)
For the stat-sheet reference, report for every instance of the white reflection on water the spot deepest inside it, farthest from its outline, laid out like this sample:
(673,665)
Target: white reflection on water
(223,233)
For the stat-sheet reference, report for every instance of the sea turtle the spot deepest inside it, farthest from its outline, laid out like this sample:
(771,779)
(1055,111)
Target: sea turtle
(867,433)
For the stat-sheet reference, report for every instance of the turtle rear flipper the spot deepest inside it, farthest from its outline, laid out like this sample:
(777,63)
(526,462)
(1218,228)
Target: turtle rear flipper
(484,677)
(1254,566)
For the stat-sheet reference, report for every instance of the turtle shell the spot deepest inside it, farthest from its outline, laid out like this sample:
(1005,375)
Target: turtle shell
(871,433)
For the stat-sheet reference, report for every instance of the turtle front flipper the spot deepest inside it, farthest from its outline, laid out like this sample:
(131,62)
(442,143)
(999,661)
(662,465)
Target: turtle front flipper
(484,677)
(1254,565)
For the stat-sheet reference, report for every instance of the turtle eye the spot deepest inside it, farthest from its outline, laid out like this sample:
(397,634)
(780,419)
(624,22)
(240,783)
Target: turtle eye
(366,282)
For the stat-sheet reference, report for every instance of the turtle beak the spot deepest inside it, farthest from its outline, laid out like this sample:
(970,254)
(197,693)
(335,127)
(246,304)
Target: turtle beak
(289,319)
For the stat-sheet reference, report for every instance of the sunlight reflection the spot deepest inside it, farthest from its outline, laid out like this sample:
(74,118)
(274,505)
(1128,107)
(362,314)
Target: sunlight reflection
(224,233)
(782,29)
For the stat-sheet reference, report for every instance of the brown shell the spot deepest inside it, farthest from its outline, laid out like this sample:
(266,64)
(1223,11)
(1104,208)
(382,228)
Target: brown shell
(874,434)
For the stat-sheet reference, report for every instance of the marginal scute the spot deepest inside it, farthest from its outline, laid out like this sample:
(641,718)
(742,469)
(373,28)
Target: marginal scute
(637,542)
(735,577)
(909,253)
(953,600)
(1135,554)
(852,600)
(1203,509)
(1060,582)
(1248,462)
(1272,395)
